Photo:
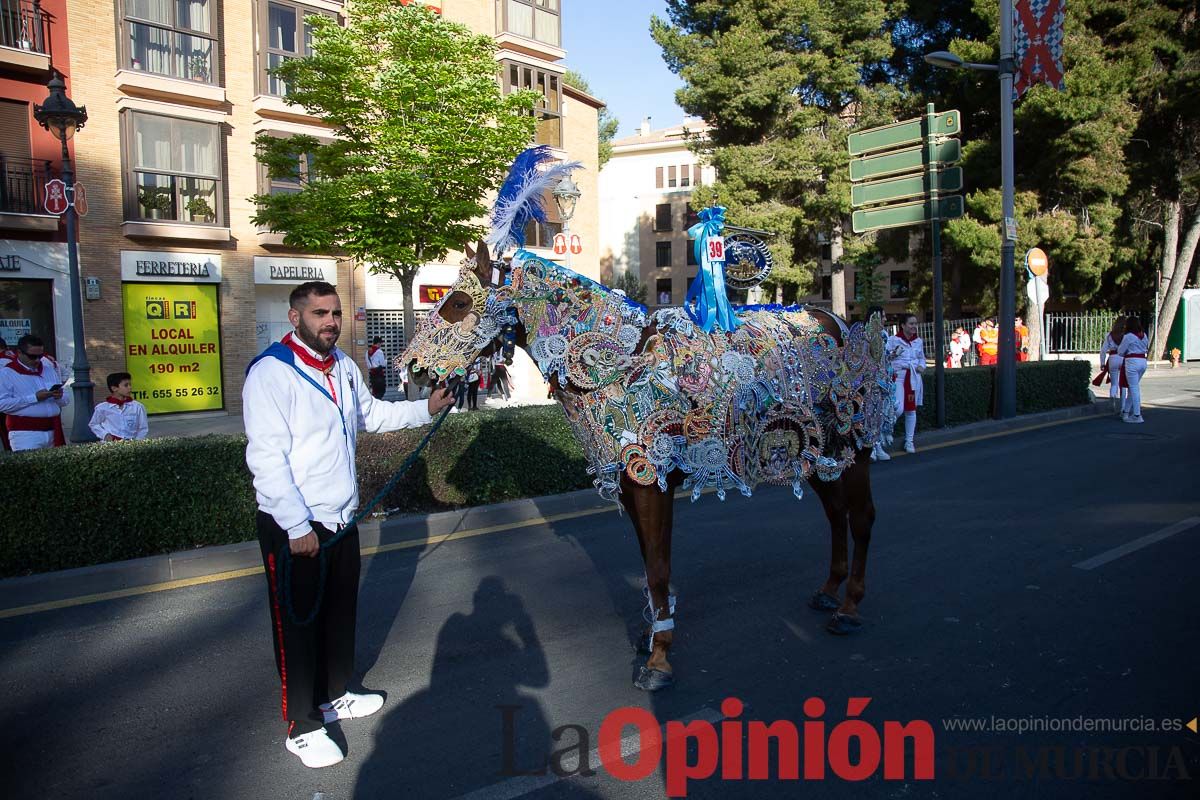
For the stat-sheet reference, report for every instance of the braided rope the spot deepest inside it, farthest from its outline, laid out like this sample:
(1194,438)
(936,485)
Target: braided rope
(285,554)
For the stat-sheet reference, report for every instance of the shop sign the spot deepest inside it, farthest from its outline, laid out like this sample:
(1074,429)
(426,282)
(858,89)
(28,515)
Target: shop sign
(289,271)
(158,267)
(173,346)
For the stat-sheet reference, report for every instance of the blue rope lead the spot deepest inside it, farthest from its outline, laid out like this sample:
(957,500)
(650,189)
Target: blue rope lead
(285,555)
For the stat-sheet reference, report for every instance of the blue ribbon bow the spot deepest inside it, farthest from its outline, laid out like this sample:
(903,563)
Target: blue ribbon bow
(707,302)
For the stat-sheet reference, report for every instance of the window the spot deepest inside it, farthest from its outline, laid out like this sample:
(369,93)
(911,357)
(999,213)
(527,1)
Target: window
(289,35)
(671,179)
(691,253)
(826,287)
(826,252)
(548,109)
(662,254)
(662,290)
(173,170)
(696,175)
(541,234)
(685,174)
(288,184)
(172,38)
(533,19)
(658,177)
(662,217)
(899,284)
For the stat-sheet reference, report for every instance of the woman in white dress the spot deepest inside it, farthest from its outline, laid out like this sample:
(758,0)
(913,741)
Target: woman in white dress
(1110,365)
(907,353)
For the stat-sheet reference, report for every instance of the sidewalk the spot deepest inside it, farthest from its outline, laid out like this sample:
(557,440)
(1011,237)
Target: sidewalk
(50,590)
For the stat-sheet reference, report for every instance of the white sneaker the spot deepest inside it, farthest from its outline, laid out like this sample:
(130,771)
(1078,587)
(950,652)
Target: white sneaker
(1136,420)
(352,706)
(879,454)
(909,448)
(315,749)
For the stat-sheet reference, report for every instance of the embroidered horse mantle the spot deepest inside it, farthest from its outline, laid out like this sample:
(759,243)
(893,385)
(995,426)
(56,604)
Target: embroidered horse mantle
(776,400)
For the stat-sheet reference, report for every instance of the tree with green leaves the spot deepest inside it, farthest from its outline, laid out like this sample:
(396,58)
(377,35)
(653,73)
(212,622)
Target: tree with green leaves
(420,132)
(633,288)
(606,123)
(781,84)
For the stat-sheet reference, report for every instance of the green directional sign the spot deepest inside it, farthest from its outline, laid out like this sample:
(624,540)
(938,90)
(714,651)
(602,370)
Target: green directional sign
(899,134)
(905,188)
(871,219)
(898,162)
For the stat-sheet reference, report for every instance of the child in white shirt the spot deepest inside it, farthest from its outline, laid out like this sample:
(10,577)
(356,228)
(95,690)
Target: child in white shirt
(119,417)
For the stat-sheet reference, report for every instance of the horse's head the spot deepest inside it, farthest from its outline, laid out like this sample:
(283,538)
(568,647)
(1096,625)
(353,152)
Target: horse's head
(465,322)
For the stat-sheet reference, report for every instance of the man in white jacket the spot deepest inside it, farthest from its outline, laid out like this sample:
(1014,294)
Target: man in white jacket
(304,402)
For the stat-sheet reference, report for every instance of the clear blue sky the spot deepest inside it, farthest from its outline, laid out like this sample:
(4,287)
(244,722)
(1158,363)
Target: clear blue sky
(608,43)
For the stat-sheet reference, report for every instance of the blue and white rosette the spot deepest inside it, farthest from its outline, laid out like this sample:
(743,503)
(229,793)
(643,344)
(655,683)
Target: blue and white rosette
(707,301)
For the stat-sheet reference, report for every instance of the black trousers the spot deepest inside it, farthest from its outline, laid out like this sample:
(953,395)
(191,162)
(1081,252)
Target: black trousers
(378,382)
(315,660)
(473,395)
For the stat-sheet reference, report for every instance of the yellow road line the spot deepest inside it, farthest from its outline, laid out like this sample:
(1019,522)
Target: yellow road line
(441,538)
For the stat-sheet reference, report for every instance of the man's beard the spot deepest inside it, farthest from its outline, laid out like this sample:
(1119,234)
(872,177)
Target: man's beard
(313,339)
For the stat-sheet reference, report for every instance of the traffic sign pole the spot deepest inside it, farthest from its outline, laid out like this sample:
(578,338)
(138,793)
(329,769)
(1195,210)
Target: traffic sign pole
(935,224)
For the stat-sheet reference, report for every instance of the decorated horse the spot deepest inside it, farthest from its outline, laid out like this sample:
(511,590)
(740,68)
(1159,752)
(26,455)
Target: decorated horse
(705,397)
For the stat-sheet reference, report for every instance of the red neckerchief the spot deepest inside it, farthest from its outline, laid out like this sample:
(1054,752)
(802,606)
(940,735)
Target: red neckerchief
(372,349)
(906,339)
(118,402)
(16,365)
(323,365)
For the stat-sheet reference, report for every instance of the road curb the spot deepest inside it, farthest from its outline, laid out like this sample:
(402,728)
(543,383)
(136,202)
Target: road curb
(409,531)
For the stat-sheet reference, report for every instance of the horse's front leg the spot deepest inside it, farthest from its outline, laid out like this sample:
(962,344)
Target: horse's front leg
(651,512)
(834,501)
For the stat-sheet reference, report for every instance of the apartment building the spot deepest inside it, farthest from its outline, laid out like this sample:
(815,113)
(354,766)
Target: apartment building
(189,289)
(34,285)
(646,210)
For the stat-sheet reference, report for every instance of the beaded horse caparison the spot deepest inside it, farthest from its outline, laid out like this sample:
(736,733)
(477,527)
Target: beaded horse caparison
(775,401)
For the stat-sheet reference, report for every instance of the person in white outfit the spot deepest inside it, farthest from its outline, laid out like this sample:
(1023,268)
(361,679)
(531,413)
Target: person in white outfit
(956,348)
(1110,365)
(304,402)
(1133,350)
(119,417)
(31,397)
(907,353)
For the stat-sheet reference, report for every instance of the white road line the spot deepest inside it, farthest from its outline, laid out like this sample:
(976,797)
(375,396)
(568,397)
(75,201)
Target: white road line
(522,785)
(1138,544)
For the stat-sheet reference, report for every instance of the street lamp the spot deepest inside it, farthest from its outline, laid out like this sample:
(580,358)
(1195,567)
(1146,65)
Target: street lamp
(566,195)
(1006,363)
(59,115)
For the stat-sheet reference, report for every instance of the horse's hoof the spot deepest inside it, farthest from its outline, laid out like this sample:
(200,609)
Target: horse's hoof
(820,601)
(841,624)
(652,680)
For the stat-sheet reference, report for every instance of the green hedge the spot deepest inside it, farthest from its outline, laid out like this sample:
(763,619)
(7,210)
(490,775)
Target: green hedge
(971,391)
(99,503)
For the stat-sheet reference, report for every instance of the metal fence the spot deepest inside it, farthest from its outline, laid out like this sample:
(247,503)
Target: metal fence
(1063,331)
(22,184)
(24,26)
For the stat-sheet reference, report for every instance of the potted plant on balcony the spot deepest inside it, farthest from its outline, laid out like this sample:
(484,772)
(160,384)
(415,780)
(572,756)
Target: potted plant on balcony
(155,200)
(198,67)
(200,211)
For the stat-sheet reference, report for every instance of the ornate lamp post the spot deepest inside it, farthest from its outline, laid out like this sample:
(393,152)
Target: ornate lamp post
(566,195)
(59,115)
(1006,362)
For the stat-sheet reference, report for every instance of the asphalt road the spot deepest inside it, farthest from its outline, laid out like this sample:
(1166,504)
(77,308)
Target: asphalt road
(978,606)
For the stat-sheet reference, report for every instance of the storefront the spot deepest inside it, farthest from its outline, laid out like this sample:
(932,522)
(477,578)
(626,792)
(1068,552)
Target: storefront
(274,279)
(172,329)
(35,295)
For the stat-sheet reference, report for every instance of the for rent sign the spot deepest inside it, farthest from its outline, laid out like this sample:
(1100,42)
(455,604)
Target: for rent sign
(173,346)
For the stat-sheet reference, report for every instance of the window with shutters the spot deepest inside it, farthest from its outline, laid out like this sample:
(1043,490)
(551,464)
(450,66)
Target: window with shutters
(173,38)
(658,177)
(662,254)
(685,176)
(672,180)
(548,109)
(172,169)
(20,178)
(662,217)
(695,174)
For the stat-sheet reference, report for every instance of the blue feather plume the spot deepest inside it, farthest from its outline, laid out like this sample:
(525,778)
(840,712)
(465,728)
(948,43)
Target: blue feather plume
(521,196)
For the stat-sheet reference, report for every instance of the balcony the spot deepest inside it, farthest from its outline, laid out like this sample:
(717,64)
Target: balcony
(24,37)
(22,187)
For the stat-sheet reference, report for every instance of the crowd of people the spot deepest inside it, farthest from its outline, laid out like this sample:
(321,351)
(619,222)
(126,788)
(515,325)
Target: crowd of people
(981,346)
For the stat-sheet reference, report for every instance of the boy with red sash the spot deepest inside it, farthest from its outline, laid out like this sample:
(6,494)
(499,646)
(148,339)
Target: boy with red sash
(119,417)
(32,398)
